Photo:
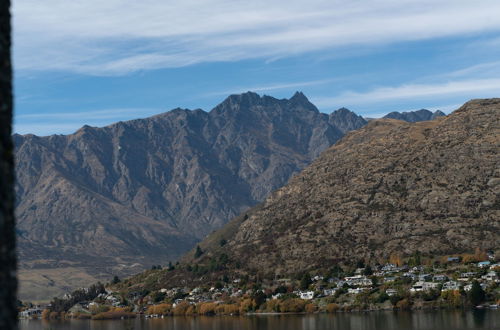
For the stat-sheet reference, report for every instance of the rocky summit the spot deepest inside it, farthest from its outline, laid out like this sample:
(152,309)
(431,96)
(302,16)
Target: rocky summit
(389,188)
(415,116)
(116,199)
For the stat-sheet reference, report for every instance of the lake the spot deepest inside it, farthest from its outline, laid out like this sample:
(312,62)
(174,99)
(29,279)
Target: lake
(419,320)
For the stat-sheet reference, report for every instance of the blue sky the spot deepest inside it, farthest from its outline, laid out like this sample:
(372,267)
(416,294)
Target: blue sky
(97,62)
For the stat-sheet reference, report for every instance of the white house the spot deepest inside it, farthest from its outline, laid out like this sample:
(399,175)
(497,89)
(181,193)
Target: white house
(357,290)
(451,285)
(490,276)
(358,280)
(423,286)
(329,292)
(440,278)
(391,292)
(306,295)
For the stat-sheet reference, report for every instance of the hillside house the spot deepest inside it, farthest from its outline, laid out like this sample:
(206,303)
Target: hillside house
(391,292)
(423,286)
(306,295)
(451,285)
(440,278)
(484,264)
(358,280)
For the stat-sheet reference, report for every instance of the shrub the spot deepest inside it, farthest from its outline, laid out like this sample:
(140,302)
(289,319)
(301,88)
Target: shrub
(272,306)
(332,308)
(247,305)
(231,309)
(160,309)
(293,305)
(311,308)
(181,308)
(403,304)
(207,308)
(46,314)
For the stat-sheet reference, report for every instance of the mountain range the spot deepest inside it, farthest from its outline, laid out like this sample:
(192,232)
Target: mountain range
(391,188)
(116,199)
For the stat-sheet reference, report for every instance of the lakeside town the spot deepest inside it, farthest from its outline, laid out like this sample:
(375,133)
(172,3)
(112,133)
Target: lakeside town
(457,282)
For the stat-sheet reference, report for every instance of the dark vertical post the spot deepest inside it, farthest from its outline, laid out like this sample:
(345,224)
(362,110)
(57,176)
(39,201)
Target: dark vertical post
(8,282)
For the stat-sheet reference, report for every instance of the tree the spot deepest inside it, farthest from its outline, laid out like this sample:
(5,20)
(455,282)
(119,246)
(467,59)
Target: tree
(305,281)
(170,266)
(115,280)
(198,252)
(222,242)
(368,271)
(259,297)
(476,294)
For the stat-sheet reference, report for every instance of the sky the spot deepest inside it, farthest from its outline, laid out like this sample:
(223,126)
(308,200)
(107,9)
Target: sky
(97,62)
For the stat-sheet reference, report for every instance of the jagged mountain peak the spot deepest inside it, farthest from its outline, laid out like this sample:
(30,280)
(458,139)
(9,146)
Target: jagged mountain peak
(415,116)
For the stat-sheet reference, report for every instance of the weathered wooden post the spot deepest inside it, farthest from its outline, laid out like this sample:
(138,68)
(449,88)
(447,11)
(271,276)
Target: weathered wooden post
(8,282)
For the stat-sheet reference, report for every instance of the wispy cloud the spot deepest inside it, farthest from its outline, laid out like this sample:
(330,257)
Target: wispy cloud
(90,115)
(68,122)
(116,37)
(415,92)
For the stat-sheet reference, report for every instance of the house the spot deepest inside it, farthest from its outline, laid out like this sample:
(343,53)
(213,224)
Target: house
(467,274)
(329,292)
(389,279)
(423,286)
(451,285)
(490,276)
(468,287)
(391,292)
(410,275)
(484,264)
(387,267)
(31,312)
(439,278)
(317,278)
(358,280)
(306,295)
(357,290)
(276,296)
(424,277)
(453,259)
(359,271)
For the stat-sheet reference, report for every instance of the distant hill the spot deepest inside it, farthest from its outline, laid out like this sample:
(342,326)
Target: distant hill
(389,188)
(415,116)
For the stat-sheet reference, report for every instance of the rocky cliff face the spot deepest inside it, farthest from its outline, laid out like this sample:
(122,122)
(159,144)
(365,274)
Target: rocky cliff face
(415,116)
(144,191)
(391,187)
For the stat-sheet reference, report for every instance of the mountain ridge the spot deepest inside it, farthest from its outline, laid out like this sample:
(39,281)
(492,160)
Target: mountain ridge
(113,199)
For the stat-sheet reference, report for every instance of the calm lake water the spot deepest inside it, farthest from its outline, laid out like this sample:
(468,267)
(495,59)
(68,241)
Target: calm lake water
(431,320)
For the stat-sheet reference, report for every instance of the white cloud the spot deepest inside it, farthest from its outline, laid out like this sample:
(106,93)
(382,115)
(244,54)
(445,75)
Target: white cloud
(68,122)
(115,37)
(415,92)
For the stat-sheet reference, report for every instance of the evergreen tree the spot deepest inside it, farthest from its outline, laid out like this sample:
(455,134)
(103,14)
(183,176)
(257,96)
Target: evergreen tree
(305,281)
(198,252)
(476,294)
(115,280)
